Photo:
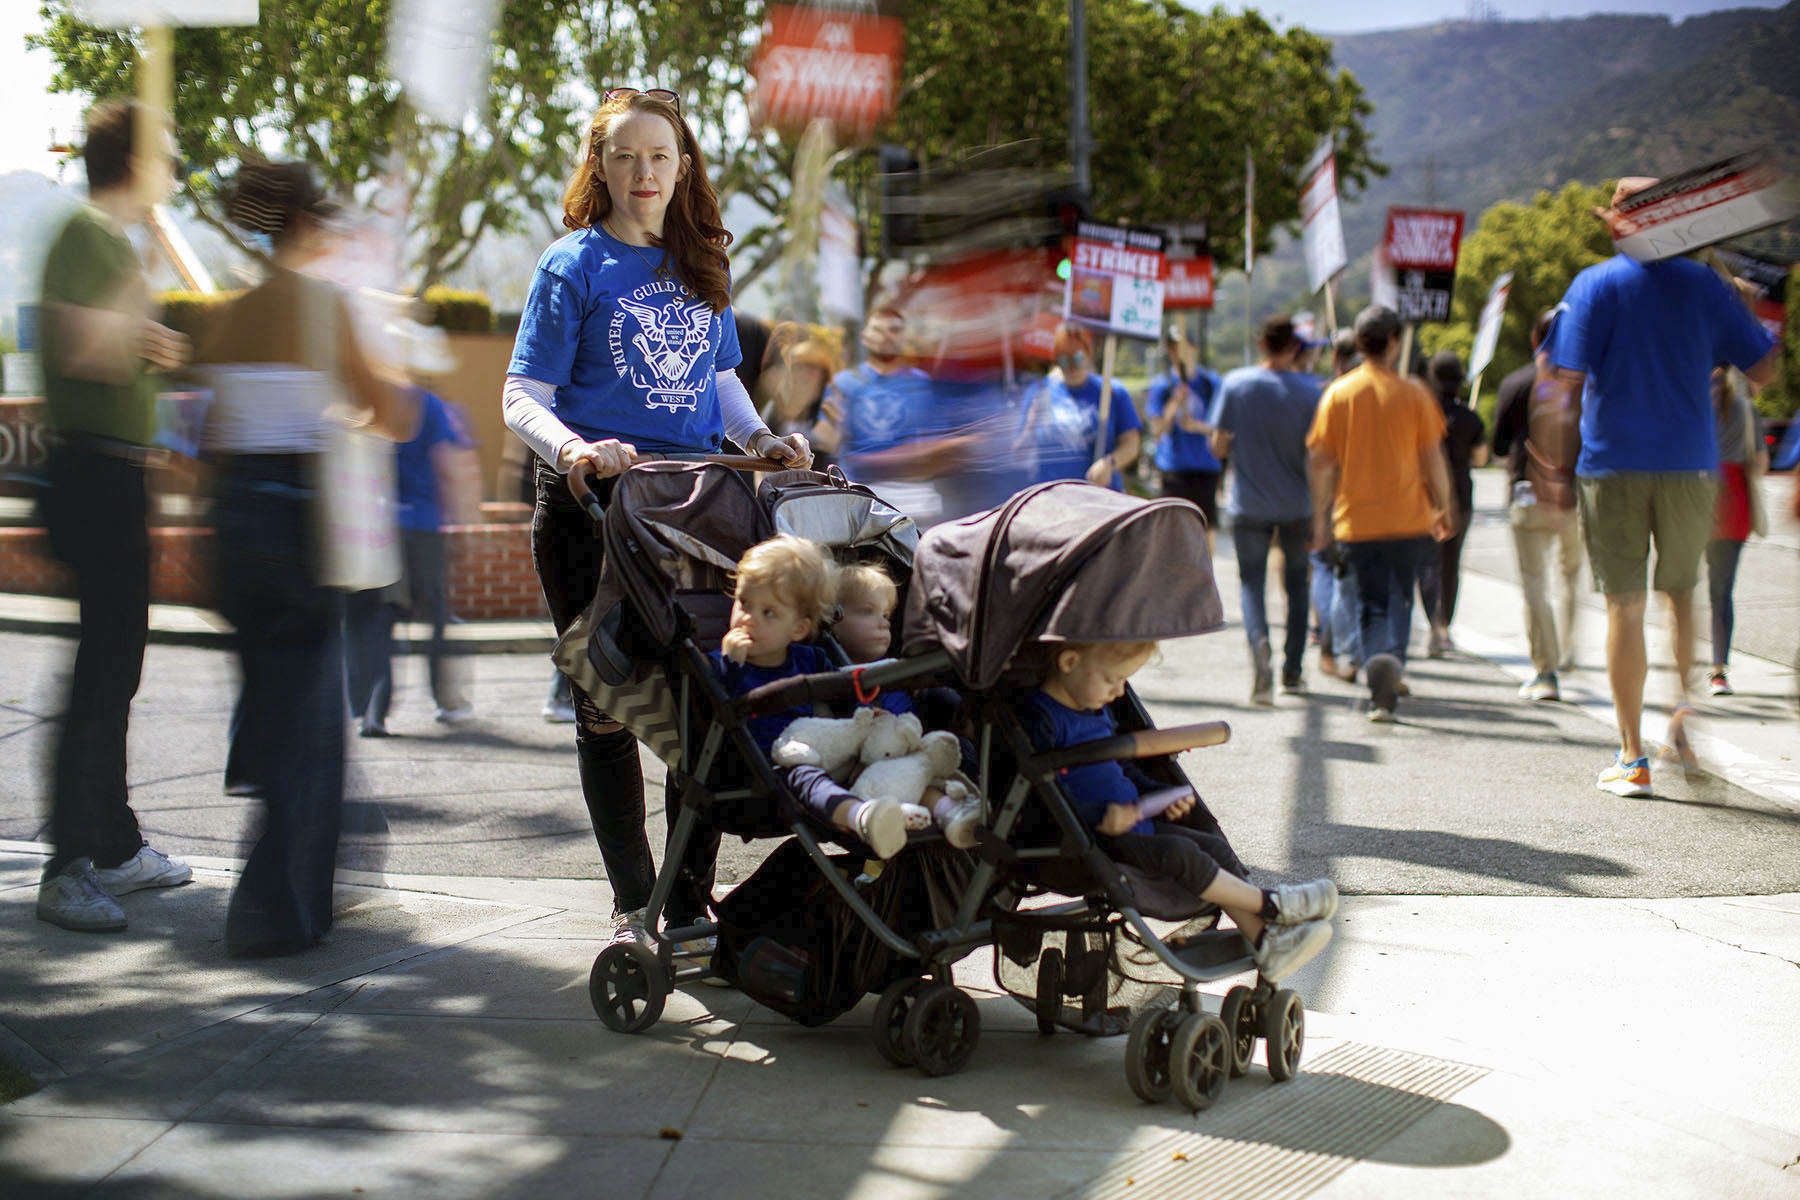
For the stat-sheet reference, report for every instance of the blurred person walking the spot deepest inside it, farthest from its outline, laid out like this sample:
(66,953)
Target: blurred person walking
(628,344)
(282,358)
(100,350)
(1743,459)
(1380,488)
(1178,403)
(1061,419)
(1640,341)
(1332,614)
(436,485)
(1261,419)
(1465,447)
(1543,519)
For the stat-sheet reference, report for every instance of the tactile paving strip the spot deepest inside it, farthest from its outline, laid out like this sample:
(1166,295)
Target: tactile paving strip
(1293,1138)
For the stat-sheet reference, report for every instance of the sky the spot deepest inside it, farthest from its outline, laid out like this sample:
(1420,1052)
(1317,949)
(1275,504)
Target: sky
(33,112)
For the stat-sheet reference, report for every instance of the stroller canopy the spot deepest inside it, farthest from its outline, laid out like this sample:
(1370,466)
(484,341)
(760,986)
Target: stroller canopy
(1061,562)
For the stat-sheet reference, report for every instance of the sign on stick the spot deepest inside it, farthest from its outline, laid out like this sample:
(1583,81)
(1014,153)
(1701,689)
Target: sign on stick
(1116,280)
(1321,224)
(1487,333)
(1421,246)
(1698,208)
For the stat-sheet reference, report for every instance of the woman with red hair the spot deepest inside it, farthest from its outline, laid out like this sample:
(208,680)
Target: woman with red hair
(628,345)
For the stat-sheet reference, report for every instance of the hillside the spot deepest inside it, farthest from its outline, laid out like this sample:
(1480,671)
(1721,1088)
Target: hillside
(1468,114)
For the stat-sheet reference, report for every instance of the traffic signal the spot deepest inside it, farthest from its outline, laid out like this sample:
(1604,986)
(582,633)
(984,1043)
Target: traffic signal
(1067,209)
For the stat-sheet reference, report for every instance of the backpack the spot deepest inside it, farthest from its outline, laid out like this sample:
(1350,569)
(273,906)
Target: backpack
(1552,437)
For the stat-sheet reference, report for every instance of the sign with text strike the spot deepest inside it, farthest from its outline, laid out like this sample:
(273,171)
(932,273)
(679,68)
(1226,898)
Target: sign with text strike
(1116,278)
(1701,207)
(1421,246)
(823,62)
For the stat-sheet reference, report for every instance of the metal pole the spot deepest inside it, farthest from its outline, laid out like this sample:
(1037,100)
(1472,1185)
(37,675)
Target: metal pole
(1080,142)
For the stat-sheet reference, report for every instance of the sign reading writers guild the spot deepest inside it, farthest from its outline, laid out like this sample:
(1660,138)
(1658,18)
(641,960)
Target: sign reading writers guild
(1421,246)
(1116,279)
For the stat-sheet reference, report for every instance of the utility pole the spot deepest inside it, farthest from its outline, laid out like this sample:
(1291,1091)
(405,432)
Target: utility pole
(1081,144)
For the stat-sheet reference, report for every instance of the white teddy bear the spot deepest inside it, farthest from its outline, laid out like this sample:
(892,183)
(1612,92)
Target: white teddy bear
(902,764)
(833,744)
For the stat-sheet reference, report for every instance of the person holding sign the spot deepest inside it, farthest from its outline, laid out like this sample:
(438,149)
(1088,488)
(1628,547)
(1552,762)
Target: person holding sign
(1640,341)
(627,343)
(1062,415)
(1178,402)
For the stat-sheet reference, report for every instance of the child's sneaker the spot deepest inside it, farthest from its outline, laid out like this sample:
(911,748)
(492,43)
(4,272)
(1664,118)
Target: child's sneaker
(964,820)
(1297,903)
(1284,949)
(1626,778)
(881,826)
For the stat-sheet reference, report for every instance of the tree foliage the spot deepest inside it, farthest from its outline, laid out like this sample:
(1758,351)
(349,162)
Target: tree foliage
(1175,98)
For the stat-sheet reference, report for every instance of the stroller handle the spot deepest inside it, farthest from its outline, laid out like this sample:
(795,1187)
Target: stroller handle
(861,683)
(1145,743)
(581,474)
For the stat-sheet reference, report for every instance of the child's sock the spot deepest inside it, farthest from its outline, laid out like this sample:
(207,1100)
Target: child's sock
(1270,910)
(918,817)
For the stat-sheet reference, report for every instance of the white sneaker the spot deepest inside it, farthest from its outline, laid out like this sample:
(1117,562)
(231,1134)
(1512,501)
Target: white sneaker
(1297,903)
(148,868)
(964,820)
(1286,948)
(74,899)
(631,927)
(455,716)
(881,826)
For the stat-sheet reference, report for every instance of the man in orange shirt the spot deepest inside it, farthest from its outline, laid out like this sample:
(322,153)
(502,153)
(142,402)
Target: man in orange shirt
(1381,487)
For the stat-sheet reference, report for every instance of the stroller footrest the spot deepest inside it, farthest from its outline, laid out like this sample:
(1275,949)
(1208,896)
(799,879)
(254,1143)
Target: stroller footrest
(1213,949)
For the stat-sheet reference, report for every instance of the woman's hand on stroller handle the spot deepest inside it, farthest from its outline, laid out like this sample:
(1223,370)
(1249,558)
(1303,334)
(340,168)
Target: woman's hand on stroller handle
(793,450)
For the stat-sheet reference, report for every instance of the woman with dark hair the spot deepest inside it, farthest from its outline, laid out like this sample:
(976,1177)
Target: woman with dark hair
(628,345)
(282,357)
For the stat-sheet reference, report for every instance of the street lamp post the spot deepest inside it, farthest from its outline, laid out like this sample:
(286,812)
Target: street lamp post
(1080,143)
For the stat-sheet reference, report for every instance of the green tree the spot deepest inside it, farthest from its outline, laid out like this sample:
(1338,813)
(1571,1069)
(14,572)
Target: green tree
(310,81)
(1175,97)
(1782,397)
(1545,244)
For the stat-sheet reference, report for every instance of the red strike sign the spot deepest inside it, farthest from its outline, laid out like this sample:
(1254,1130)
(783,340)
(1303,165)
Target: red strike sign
(1423,239)
(1190,283)
(1107,258)
(824,63)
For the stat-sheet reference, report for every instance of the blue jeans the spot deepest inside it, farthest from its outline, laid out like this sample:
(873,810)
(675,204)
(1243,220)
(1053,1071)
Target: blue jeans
(1252,540)
(288,739)
(1382,577)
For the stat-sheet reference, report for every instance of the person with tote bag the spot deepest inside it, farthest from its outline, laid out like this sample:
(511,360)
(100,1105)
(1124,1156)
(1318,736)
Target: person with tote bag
(1742,462)
(285,364)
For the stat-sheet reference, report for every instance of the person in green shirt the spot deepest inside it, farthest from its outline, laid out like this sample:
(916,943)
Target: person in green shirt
(100,349)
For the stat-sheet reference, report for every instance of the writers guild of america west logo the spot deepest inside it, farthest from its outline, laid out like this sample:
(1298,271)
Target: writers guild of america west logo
(672,336)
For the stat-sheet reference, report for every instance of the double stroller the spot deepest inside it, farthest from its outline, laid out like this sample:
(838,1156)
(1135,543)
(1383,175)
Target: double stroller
(811,931)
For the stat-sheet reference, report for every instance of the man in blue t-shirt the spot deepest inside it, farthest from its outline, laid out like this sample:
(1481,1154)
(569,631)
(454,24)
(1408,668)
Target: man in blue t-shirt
(1641,340)
(1060,420)
(1177,403)
(890,434)
(1261,418)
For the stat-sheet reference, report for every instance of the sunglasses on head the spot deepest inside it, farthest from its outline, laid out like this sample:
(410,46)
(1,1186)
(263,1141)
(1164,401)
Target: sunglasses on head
(626,93)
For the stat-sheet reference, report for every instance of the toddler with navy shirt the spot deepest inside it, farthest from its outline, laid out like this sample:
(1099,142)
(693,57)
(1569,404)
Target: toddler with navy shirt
(1286,925)
(786,588)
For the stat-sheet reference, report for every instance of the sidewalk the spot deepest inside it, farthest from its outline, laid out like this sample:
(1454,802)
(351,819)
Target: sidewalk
(441,1044)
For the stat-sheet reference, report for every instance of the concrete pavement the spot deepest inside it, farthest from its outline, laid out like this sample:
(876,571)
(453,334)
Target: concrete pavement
(1535,991)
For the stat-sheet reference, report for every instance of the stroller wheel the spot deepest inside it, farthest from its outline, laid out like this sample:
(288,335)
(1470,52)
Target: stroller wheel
(1239,1018)
(941,1030)
(1284,1031)
(627,987)
(1147,1054)
(1200,1060)
(1049,991)
(890,1020)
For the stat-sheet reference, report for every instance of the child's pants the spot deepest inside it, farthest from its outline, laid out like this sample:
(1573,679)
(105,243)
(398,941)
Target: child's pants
(817,792)
(1189,856)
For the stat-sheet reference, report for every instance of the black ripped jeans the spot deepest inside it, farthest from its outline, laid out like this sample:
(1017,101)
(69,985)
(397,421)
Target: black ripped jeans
(566,550)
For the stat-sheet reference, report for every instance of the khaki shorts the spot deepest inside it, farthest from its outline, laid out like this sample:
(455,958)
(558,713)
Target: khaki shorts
(1620,514)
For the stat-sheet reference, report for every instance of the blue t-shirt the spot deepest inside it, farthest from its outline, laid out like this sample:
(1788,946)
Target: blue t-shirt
(632,356)
(1063,421)
(416,474)
(1267,413)
(1647,336)
(1179,450)
(1051,725)
(743,677)
(882,411)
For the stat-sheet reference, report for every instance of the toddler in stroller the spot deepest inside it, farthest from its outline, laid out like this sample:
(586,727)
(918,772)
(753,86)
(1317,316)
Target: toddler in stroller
(1136,818)
(785,588)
